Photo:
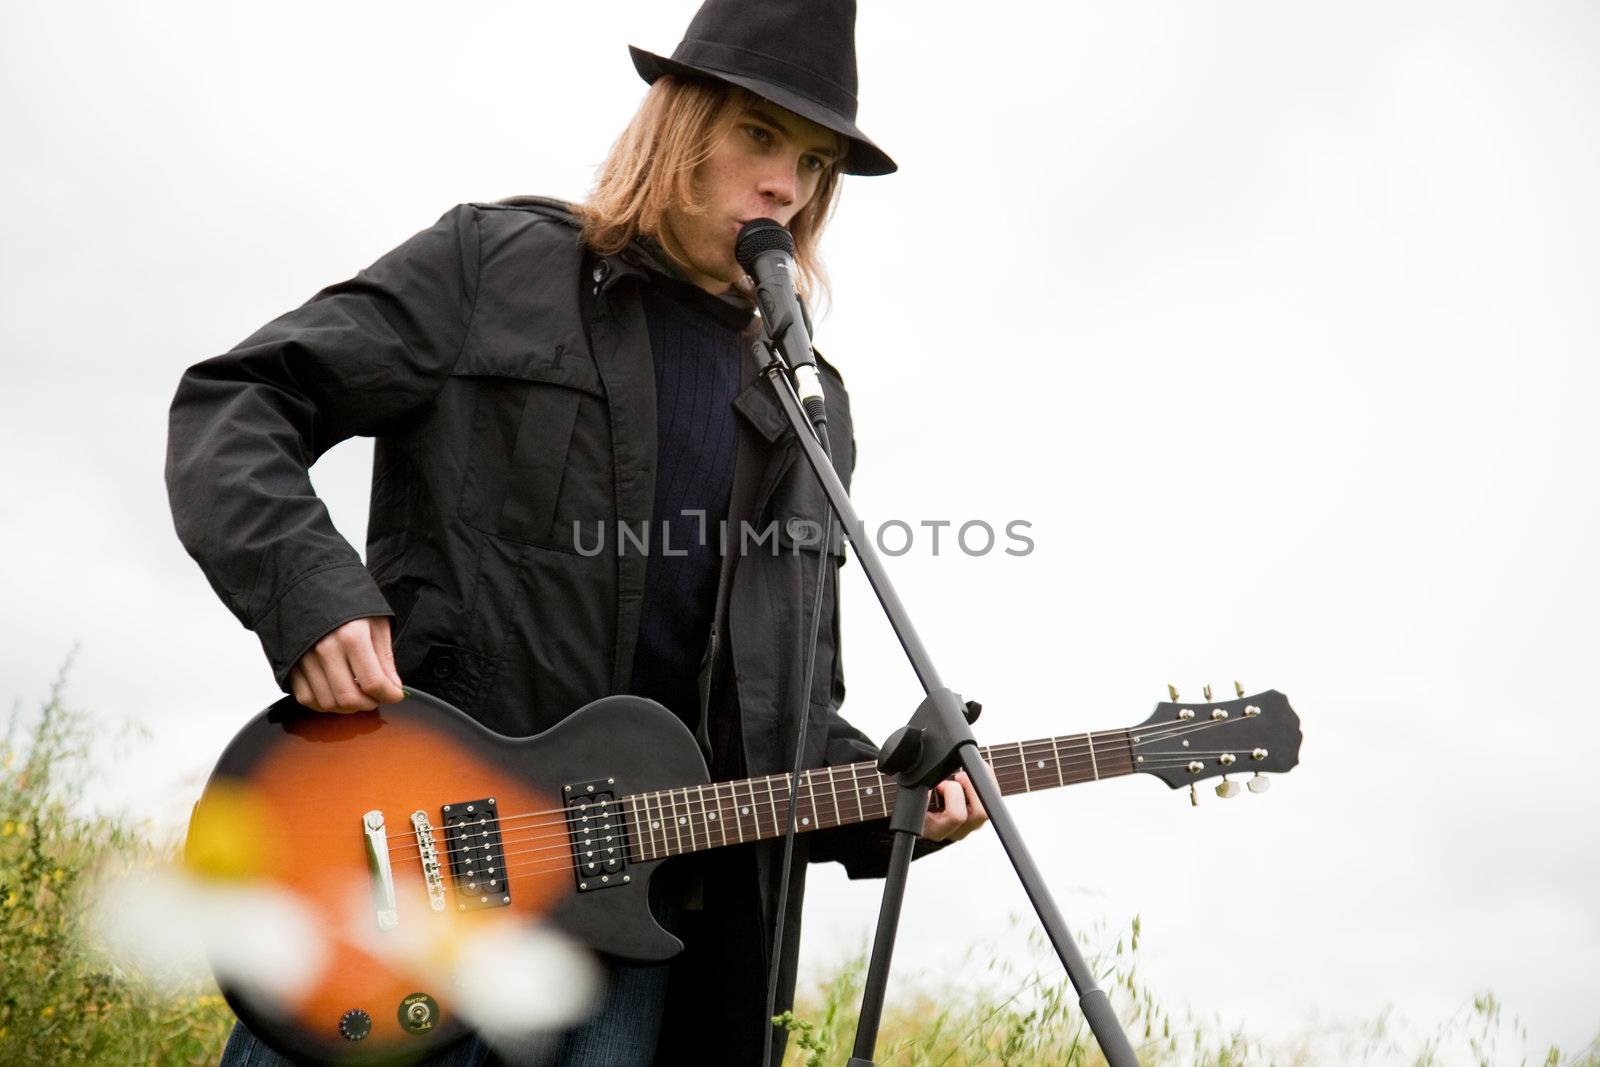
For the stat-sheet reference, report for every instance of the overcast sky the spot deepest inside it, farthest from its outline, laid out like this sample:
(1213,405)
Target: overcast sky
(1276,321)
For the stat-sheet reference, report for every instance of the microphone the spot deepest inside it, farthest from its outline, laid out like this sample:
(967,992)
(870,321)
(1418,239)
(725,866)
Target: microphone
(766,252)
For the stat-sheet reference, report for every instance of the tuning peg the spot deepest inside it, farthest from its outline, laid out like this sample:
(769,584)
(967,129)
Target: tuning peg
(1259,784)
(1238,690)
(1172,691)
(1194,798)
(1227,790)
(1207,692)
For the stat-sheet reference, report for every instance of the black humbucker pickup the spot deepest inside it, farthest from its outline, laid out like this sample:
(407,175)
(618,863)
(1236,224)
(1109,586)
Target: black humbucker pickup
(477,856)
(595,826)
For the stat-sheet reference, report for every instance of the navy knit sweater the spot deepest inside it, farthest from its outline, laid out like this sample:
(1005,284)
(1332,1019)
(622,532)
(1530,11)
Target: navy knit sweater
(695,342)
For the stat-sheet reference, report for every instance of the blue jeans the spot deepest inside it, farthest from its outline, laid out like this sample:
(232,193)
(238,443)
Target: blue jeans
(621,1033)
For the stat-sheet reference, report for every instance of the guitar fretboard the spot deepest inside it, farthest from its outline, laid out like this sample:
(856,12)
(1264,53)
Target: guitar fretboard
(671,822)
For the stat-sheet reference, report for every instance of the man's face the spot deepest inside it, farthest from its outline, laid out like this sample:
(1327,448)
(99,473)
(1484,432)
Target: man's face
(767,165)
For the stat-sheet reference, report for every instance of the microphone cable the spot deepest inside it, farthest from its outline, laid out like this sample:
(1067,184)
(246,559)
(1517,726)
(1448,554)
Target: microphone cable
(820,425)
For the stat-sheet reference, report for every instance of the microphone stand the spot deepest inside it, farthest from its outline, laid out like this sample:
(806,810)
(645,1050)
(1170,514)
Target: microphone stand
(937,739)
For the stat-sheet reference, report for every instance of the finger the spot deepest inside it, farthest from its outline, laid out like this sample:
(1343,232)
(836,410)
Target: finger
(371,678)
(321,695)
(946,824)
(300,687)
(975,810)
(382,641)
(341,676)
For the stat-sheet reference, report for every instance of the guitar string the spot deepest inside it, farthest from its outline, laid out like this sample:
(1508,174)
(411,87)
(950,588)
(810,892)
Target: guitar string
(672,837)
(546,866)
(685,804)
(818,777)
(1024,757)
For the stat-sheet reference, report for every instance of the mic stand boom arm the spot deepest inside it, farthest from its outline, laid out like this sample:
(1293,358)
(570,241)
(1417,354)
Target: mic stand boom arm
(936,741)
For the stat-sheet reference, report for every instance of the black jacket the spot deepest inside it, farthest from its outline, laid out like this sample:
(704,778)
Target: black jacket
(506,374)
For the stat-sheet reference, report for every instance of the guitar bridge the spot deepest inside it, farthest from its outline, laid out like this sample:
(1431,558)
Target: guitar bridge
(430,859)
(595,828)
(477,856)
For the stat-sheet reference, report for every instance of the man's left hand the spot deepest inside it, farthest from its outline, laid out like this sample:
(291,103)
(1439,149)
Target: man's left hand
(963,811)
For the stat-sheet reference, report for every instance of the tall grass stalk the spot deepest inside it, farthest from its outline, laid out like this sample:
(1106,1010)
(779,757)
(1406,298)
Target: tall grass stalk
(61,1001)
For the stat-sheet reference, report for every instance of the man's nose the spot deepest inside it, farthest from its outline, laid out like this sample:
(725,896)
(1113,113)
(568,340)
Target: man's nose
(778,184)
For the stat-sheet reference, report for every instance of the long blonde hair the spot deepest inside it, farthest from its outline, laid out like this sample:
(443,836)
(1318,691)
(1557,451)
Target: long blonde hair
(651,167)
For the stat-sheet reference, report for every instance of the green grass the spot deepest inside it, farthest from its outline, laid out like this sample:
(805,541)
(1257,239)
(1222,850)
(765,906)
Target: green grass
(63,1002)
(1025,1015)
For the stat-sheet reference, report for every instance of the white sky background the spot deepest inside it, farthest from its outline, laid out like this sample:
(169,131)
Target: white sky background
(1277,321)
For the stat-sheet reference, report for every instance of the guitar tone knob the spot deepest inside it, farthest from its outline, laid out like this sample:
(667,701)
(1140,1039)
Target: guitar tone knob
(355,1024)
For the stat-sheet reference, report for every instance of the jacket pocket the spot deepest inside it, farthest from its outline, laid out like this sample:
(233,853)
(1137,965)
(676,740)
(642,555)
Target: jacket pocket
(538,459)
(799,512)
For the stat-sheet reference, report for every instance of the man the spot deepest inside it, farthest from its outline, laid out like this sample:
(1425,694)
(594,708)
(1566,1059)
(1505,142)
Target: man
(535,375)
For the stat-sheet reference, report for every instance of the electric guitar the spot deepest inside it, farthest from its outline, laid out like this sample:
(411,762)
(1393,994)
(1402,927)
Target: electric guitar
(411,824)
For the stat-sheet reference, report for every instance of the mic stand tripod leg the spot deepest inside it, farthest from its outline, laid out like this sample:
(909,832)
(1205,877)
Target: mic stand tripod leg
(910,807)
(1092,1000)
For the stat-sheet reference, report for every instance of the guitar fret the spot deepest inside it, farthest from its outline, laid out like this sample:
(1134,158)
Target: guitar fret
(655,851)
(722,819)
(773,800)
(855,787)
(1022,755)
(833,791)
(1094,764)
(745,809)
(633,817)
(1060,779)
(677,822)
(808,815)
(687,818)
(705,817)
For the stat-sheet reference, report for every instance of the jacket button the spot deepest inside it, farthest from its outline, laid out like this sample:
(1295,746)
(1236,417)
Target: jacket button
(443,668)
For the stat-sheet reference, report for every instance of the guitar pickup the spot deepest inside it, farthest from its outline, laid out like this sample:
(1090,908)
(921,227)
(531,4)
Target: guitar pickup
(477,855)
(595,828)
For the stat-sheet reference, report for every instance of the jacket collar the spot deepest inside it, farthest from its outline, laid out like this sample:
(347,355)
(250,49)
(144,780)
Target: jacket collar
(642,257)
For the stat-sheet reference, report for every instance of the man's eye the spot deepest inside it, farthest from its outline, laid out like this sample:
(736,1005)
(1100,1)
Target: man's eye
(758,134)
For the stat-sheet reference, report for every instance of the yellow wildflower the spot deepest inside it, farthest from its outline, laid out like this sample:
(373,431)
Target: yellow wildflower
(47,1012)
(59,874)
(11,898)
(8,829)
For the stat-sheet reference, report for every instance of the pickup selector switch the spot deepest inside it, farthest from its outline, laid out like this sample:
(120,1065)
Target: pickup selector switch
(418,1013)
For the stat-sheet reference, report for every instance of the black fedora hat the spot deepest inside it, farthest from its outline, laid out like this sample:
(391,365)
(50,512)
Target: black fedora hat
(799,54)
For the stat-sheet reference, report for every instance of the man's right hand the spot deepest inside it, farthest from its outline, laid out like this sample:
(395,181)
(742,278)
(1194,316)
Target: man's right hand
(349,669)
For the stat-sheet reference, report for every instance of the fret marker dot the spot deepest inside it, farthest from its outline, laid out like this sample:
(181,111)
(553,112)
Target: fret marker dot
(744,811)
(682,819)
(869,790)
(655,826)
(805,822)
(712,815)
(1041,763)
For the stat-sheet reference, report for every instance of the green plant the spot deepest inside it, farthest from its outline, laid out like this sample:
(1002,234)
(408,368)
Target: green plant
(61,1002)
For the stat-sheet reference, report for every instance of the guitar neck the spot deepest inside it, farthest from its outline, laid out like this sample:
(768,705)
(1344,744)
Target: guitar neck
(670,822)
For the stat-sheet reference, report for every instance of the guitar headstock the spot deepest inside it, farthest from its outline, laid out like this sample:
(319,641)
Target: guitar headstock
(1183,743)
